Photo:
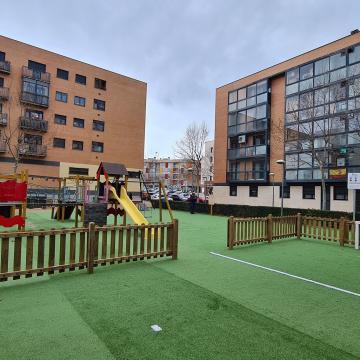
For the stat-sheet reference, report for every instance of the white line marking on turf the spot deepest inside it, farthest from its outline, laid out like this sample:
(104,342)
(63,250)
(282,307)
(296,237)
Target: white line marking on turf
(287,274)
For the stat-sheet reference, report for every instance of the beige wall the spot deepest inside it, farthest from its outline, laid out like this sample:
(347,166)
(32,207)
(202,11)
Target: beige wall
(124,116)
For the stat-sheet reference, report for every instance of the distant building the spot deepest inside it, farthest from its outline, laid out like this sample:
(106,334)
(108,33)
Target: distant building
(207,166)
(173,172)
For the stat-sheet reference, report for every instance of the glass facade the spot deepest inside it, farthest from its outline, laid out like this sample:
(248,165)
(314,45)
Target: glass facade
(248,113)
(322,117)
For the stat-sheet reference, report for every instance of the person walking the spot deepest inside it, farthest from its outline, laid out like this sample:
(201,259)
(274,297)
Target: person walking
(193,199)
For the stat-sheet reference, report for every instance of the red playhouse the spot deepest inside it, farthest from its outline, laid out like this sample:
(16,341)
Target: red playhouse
(13,190)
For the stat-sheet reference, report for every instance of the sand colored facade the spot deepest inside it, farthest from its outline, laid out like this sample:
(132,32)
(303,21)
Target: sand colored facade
(232,176)
(73,115)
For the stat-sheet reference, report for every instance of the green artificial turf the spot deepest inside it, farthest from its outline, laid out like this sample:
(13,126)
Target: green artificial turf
(208,307)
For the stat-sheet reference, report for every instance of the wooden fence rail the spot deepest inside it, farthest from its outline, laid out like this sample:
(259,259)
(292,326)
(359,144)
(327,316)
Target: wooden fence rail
(242,231)
(46,251)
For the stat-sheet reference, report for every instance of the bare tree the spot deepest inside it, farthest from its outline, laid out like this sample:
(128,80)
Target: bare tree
(191,148)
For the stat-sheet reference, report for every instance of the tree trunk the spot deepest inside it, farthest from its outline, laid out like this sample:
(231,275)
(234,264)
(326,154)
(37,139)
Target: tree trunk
(323,190)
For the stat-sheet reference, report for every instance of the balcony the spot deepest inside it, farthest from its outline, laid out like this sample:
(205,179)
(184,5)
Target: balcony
(4,93)
(33,124)
(35,75)
(5,67)
(35,99)
(33,150)
(246,152)
(2,146)
(255,175)
(3,119)
(250,127)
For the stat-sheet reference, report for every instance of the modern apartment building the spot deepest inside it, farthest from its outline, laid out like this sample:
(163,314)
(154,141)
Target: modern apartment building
(207,167)
(305,111)
(174,172)
(66,115)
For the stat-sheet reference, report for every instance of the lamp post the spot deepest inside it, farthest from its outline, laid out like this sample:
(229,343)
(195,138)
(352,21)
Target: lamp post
(282,162)
(273,191)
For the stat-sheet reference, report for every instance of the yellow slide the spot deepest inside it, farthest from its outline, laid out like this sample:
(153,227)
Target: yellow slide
(136,216)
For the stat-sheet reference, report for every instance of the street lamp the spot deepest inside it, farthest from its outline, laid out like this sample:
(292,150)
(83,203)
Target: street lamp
(273,193)
(282,162)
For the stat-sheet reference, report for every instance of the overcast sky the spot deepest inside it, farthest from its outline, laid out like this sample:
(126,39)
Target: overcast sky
(183,49)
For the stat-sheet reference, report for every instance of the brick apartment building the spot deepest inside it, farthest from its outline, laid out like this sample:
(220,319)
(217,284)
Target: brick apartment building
(174,172)
(305,111)
(69,115)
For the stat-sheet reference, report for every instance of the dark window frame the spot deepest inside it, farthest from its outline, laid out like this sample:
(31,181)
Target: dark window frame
(340,193)
(100,84)
(77,142)
(62,96)
(253,190)
(58,141)
(233,190)
(96,104)
(79,103)
(78,171)
(59,116)
(287,192)
(80,121)
(80,79)
(98,122)
(62,74)
(96,143)
(309,192)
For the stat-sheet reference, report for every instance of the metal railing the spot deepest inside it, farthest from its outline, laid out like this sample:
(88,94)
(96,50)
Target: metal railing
(3,119)
(33,124)
(36,75)
(35,99)
(4,93)
(252,126)
(5,67)
(33,150)
(251,175)
(250,151)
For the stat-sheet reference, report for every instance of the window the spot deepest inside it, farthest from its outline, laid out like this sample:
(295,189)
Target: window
(80,79)
(286,192)
(292,103)
(253,191)
(62,74)
(251,91)
(322,66)
(292,76)
(261,87)
(60,119)
(2,56)
(99,104)
(1,82)
(77,145)
(233,190)
(37,67)
(98,125)
(354,55)
(60,96)
(78,171)
(308,192)
(340,193)
(60,143)
(337,61)
(306,71)
(97,146)
(100,84)
(80,101)
(78,123)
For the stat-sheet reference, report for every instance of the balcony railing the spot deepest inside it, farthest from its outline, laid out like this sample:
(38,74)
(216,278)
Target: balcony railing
(2,146)
(33,124)
(33,150)
(5,67)
(253,126)
(255,175)
(35,75)
(4,93)
(245,152)
(3,119)
(35,99)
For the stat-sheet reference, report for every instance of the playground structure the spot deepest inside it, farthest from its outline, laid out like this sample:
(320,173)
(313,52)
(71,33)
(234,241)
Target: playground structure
(13,190)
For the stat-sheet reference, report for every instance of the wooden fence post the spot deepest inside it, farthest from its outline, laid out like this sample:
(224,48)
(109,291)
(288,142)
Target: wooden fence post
(269,228)
(231,232)
(342,231)
(175,237)
(298,225)
(90,249)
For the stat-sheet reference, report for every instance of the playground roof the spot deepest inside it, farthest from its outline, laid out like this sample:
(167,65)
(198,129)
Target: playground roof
(111,169)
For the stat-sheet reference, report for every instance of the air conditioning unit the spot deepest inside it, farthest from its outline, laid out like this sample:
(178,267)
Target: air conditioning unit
(242,139)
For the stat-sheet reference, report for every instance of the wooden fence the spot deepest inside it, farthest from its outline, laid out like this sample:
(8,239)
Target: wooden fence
(46,251)
(242,231)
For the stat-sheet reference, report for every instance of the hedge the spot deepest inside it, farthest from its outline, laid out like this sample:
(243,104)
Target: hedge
(254,211)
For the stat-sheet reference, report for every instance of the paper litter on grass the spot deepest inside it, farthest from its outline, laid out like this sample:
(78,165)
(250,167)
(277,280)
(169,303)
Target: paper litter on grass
(156,328)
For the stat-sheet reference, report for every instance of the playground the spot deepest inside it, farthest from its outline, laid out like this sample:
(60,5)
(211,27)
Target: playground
(208,307)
